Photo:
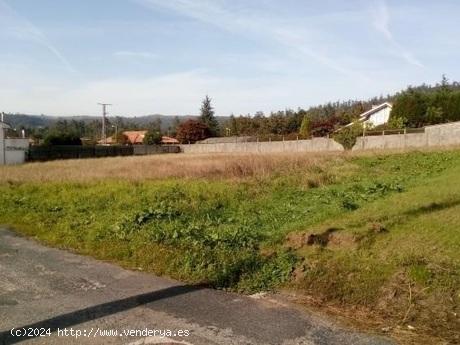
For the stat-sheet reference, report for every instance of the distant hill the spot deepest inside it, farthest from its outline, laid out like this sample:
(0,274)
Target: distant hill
(46,121)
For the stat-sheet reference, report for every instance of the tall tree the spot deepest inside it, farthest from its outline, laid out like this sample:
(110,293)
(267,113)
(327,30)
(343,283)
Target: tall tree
(172,130)
(207,116)
(305,127)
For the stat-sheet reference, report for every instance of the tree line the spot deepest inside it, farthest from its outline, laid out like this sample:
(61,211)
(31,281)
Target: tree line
(414,107)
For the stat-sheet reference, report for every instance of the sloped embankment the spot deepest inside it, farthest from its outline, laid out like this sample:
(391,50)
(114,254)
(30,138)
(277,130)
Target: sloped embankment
(374,231)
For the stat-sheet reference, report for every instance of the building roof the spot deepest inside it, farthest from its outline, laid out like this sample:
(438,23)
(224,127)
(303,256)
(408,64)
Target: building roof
(135,137)
(4,125)
(169,140)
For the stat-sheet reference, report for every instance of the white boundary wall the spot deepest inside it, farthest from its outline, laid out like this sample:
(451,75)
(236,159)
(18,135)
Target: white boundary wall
(12,151)
(435,136)
(313,145)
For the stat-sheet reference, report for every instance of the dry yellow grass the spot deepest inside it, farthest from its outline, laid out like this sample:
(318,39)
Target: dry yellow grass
(139,168)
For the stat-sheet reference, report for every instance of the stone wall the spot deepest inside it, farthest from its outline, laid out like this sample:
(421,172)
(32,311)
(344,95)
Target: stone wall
(313,145)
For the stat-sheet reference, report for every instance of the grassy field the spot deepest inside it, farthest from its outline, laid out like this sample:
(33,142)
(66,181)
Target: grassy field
(374,232)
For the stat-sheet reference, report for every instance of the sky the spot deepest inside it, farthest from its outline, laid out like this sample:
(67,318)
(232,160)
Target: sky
(163,56)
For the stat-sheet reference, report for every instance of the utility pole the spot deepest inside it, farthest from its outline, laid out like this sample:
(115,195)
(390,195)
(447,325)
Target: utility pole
(104,114)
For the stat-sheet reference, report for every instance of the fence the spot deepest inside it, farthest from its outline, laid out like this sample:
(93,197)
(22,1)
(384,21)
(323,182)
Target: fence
(153,149)
(253,139)
(46,153)
(394,131)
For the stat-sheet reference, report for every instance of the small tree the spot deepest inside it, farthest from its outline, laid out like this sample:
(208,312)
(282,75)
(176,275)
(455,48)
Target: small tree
(396,123)
(192,131)
(305,127)
(152,137)
(347,136)
(207,116)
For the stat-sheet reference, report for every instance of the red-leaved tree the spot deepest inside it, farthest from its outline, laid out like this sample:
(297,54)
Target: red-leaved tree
(192,131)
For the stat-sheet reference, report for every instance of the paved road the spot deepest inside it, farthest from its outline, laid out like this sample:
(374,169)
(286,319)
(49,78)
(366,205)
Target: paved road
(47,288)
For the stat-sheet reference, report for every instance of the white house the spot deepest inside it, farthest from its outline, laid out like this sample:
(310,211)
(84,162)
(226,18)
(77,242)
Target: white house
(12,151)
(378,115)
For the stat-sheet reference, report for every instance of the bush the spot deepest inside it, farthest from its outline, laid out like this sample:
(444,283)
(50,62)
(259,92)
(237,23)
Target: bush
(54,139)
(152,137)
(347,136)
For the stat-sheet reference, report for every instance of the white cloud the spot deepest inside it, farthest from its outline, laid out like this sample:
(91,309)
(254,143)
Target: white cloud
(381,22)
(245,22)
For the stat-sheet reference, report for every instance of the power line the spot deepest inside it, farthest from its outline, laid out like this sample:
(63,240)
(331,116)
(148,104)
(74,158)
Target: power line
(104,114)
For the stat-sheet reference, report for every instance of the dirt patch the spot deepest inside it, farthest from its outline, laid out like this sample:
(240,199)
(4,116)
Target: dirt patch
(295,240)
(332,238)
(340,240)
(321,239)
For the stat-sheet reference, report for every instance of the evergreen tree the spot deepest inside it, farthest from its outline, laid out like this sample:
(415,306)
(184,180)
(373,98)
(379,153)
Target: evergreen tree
(207,116)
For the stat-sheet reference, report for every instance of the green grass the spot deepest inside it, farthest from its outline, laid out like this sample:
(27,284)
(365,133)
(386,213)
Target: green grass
(394,247)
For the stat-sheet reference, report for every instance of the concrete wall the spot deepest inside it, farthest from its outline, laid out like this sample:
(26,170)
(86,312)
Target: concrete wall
(443,135)
(13,151)
(438,135)
(313,145)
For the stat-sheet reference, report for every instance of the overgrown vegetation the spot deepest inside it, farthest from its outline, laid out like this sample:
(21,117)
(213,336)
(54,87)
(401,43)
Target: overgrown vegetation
(371,231)
(418,107)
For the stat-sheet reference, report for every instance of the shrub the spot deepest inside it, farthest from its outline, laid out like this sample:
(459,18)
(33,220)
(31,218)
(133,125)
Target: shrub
(152,137)
(62,139)
(347,136)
